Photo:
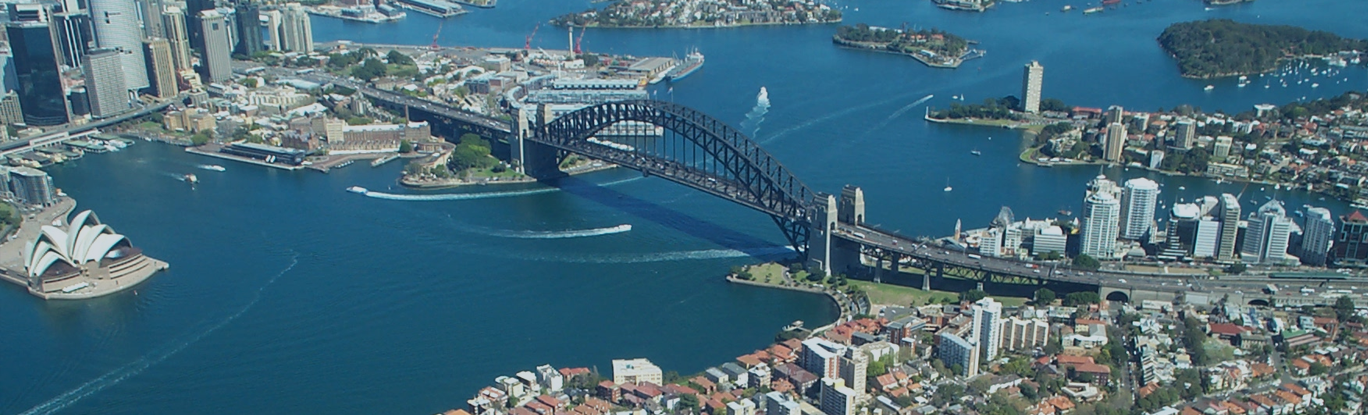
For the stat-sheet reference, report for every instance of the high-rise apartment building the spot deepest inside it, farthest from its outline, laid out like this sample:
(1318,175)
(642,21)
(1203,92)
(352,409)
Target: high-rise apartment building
(1032,78)
(248,19)
(152,18)
(1351,247)
(956,351)
(274,18)
(1020,334)
(105,84)
(1208,238)
(193,25)
(1101,221)
(1317,235)
(987,326)
(777,403)
(1114,114)
(1230,228)
(216,57)
(855,369)
(1116,142)
(31,186)
(1266,239)
(116,27)
(1185,133)
(161,67)
(296,30)
(836,397)
(177,34)
(35,50)
(822,357)
(1221,147)
(1138,201)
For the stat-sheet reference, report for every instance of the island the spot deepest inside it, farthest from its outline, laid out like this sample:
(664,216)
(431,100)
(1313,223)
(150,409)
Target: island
(1222,47)
(933,47)
(700,14)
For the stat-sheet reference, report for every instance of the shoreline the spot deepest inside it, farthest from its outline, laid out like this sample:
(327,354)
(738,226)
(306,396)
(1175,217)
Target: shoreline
(856,46)
(842,314)
(457,183)
(730,26)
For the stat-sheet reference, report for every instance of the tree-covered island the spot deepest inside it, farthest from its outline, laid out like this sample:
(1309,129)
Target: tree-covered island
(932,47)
(1221,47)
(701,14)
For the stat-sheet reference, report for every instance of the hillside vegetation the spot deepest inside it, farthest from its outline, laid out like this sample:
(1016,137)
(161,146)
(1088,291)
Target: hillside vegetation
(1223,47)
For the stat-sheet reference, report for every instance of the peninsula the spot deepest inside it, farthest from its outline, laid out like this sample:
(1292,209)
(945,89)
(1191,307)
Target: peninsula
(933,47)
(700,14)
(1221,47)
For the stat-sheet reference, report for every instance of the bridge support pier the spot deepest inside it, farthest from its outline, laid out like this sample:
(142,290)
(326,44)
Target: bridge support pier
(533,159)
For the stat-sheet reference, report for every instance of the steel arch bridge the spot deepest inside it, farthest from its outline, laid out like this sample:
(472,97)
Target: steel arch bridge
(703,153)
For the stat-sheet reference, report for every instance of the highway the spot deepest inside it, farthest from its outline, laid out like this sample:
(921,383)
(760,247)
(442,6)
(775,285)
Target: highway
(29,144)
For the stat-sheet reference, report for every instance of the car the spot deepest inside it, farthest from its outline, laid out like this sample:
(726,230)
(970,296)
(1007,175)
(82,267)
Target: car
(1122,280)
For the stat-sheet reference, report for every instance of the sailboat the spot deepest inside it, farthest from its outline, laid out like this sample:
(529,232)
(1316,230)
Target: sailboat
(976,152)
(947,185)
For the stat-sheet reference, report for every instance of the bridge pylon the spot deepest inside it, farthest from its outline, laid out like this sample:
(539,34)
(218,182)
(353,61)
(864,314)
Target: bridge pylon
(832,255)
(528,157)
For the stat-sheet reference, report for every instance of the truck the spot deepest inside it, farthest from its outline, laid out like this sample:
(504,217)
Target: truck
(1270,289)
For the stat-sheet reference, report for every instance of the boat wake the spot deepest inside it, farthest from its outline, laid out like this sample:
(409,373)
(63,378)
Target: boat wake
(757,114)
(473,196)
(902,111)
(211,167)
(578,233)
(138,366)
(673,256)
(829,117)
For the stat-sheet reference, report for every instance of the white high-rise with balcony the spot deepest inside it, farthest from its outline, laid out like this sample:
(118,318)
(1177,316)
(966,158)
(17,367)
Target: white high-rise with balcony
(1138,201)
(988,326)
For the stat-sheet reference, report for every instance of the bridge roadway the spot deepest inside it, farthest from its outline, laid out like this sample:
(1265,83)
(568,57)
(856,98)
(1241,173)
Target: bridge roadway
(437,108)
(889,242)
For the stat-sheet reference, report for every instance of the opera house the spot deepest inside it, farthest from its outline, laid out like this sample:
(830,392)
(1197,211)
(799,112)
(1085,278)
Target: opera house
(85,259)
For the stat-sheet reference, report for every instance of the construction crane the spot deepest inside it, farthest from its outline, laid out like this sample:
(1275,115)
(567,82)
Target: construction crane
(435,35)
(528,45)
(580,38)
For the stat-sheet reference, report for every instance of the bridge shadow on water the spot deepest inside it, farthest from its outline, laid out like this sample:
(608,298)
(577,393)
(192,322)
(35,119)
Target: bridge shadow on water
(727,238)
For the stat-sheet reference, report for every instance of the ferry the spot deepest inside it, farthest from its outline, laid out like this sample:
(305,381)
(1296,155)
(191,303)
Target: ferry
(357,189)
(213,167)
(1092,10)
(190,178)
(689,66)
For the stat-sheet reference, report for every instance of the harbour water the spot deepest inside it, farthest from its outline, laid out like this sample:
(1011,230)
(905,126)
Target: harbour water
(288,294)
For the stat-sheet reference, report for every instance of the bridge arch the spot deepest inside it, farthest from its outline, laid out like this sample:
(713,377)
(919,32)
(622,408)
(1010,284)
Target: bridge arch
(695,150)
(1118,296)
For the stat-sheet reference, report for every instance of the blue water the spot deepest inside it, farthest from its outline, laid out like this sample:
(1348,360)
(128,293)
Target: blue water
(287,294)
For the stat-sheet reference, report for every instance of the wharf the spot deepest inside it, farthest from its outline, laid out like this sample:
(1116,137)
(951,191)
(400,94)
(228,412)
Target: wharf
(212,151)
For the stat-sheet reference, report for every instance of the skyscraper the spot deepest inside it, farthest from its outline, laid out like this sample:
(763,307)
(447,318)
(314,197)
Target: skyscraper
(1184,134)
(296,30)
(104,83)
(1116,141)
(1115,114)
(41,96)
(152,18)
(1316,236)
(248,19)
(116,27)
(1230,227)
(1101,220)
(956,351)
(1350,246)
(1138,201)
(73,36)
(273,21)
(1266,239)
(217,54)
(1033,76)
(177,36)
(161,67)
(988,326)
(193,27)
(836,397)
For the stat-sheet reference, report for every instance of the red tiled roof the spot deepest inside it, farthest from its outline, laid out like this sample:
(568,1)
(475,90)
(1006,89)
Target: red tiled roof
(1227,329)
(1356,217)
(1092,368)
(573,371)
(1073,360)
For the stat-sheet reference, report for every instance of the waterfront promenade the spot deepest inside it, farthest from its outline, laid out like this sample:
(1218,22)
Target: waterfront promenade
(95,284)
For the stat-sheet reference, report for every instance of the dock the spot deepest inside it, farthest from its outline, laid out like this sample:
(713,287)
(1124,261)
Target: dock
(248,160)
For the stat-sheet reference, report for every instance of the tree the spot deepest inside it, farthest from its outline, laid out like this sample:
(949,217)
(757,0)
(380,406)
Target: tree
(972,295)
(980,386)
(370,69)
(405,146)
(947,393)
(1236,268)
(1029,392)
(1086,261)
(1044,296)
(1317,369)
(249,82)
(397,58)
(1081,298)
(688,402)
(200,138)
(1344,308)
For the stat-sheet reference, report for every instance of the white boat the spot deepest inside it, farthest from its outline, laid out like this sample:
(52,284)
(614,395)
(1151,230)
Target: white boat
(357,189)
(947,185)
(1209,87)
(763,97)
(191,178)
(1315,85)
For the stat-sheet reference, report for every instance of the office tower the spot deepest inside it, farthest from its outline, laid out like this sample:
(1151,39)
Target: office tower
(837,399)
(1350,246)
(1316,236)
(1032,77)
(1138,201)
(1047,240)
(1208,238)
(161,68)
(29,12)
(1269,230)
(954,350)
(152,18)
(1221,148)
(273,21)
(988,326)
(31,186)
(177,35)
(79,101)
(1101,221)
(1115,114)
(296,30)
(216,58)
(104,83)
(116,27)
(11,113)
(1185,134)
(855,369)
(39,83)
(1024,334)
(1230,227)
(248,19)
(822,357)
(193,27)
(73,36)
(1116,142)
(990,244)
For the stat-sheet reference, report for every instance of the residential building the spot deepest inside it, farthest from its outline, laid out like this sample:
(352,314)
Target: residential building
(1221,147)
(216,56)
(1115,114)
(1351,249)
(1185,133)
(296,30)
(1138,202)
(822,357)
(954,350)
(274,18)
(1049,239)
(1317,235)
(1101,221)
(1032,78)
(777,403)
(34,47)
(177,34)
(1116,142)
(1020,334)
(116,27)
(836,398)
(991,242)
(31,186)
(161,67)
(1266,238)
(1230,228)
(105,83)
(636,370)
(987,326)
(248,20)
(550,378)
(1207,239)
(855,369)
(741,407)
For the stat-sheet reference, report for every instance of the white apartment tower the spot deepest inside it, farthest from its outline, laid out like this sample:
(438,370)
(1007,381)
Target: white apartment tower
(1101,220)
(1317,235)
(1138,201)
(988,326)
(1033,76)
(296,31)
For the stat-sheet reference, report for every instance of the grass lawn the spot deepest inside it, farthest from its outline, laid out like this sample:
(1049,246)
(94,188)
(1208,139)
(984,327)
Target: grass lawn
(1218,351)
(770,273)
